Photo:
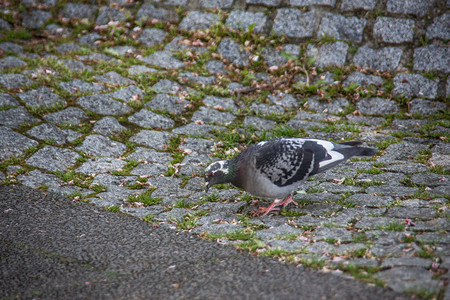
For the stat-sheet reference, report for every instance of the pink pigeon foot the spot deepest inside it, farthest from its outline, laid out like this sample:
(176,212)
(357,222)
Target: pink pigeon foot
(273,206)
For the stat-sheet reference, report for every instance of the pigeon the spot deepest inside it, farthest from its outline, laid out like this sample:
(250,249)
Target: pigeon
(276,168)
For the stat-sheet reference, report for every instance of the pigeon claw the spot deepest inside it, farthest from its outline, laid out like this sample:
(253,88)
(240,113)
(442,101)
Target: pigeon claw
(265,210)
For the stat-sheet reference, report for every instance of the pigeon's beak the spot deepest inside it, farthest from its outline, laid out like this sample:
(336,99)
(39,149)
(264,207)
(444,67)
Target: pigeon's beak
(207,187)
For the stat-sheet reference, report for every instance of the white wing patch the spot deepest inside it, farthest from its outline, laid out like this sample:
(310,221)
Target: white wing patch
(329,146)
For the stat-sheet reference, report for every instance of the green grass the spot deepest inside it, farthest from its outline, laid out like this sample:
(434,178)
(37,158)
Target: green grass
(189,221)
(145,198)
(393,226)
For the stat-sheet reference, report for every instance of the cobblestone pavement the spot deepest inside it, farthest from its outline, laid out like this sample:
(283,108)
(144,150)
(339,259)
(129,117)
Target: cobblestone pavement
(122,104)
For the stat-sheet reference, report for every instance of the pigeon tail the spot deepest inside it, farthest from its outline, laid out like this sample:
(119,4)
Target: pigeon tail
(350,149)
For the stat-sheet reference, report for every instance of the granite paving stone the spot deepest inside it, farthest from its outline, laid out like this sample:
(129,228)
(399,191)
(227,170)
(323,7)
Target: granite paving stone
(329,54)
(219,229)
(140,69)
(78,85)
(377,106)
(268,3)
(415,85)
(103,104)
(193,164)
(36,178)
(278,232)
(209,115)
(409,278)
(148,119)
(113,78)
(283,99)
(163,59)
(41,97)
(107,14)
(394,191)
(194,77)
(56,30)
(432,57)
(11,61)
(273,57)
(433,237)
(223,4)
(440,27)
(14,81)
(53,158)
(4,25)
(196,20)
(167,86)
(164,102)
(53,133)
(313,2)
(339,234)
(215,66)
(418,8)
(95,57)
(108,126)
(402,151)
(230,50)
(370,200)
(99,165)
(201,146)
(149,155)
(67,48)
(75,65)
(149,169)
(197,129)
(79,10)
(406,262)
(384,59)
(70,115)
(13,143)
(152,138)
(220,103)
(152,36)
(36,19)
(342,28)
(259,123)
(263,108)
(394,30)
(426,107)
(351,5)
(16,117)
(127,93)
(406,212)
(90,39)
(11,47)
(8,100)
(149,11)
(242,20)
(294,23)
(98,145)
(334,106)
(367,222)
(180,43)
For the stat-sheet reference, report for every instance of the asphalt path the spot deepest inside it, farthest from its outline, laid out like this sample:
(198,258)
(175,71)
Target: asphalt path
(54,248)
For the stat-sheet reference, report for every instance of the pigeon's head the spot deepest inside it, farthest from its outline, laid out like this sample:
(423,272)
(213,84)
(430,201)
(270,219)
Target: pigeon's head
(216,173)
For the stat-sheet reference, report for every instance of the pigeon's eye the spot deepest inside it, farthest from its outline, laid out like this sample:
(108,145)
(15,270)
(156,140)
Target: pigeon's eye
(210,174)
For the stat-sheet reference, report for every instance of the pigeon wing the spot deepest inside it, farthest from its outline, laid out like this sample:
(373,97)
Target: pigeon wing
(284,162)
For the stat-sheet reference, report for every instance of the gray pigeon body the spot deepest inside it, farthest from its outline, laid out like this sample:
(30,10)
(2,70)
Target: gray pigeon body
(276,168)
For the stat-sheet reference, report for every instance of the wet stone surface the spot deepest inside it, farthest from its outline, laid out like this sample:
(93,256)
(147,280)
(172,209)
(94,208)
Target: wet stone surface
(124,105)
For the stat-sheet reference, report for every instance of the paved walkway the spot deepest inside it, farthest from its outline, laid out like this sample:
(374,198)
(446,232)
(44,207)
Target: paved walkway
(87,252)
(123,105)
